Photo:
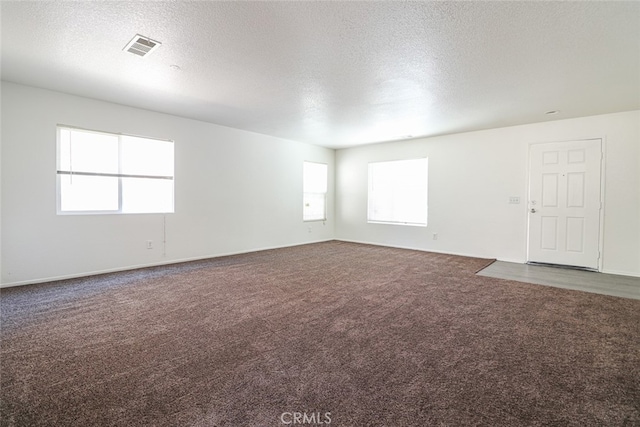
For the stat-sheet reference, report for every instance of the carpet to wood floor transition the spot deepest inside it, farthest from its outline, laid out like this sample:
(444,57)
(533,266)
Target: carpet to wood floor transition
(333,333)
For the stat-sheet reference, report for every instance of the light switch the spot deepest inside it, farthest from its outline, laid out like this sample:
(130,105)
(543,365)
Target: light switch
(514,200)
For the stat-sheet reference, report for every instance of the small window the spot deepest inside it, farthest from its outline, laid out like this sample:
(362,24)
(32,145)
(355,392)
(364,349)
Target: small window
(110,173)
(314,182)
(398,192)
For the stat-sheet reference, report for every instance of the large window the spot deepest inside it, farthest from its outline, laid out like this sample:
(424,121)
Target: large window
(314,182)
(110,173)
(398,192)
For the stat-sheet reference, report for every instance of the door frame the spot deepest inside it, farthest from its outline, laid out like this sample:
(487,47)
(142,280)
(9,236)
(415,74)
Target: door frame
(603,156)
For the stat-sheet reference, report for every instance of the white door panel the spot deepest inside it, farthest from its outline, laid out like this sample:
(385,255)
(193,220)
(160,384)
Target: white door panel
(564,203)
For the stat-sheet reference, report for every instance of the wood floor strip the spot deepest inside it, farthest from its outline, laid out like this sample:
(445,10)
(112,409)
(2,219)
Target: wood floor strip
(599,283)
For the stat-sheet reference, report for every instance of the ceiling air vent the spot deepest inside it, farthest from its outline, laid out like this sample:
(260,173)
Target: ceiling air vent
(141,45)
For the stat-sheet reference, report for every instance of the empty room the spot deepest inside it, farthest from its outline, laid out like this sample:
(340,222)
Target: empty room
(319,213)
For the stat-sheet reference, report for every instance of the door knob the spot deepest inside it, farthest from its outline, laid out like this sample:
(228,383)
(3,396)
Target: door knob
(533,210)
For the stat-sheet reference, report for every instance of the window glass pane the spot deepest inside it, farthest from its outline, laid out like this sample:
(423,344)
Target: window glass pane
(88,193)
(398,192)
(314,183)
(88,153)
(81,151)
(315,178)
(147,195)
(64,150)
(314,206)
(141,156)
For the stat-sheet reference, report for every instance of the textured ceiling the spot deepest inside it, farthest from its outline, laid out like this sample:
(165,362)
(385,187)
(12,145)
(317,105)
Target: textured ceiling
(336,74)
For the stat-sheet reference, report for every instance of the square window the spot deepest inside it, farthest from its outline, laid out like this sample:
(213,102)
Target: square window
(398,192)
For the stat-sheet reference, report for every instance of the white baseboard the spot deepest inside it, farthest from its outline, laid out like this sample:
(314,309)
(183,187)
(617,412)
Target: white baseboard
(516,261)
(154,264)
(620,273)
(415,249)
(198,258)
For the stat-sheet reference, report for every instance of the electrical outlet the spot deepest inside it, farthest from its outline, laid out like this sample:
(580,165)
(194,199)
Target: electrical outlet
(149,244)
(435,236)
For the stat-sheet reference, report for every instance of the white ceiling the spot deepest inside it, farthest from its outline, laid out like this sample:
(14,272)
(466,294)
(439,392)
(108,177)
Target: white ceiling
(336,74)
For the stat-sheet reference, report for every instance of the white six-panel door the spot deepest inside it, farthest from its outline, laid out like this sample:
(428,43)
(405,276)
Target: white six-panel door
(564,203)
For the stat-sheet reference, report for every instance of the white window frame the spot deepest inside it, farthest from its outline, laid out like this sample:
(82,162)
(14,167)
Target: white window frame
(320,192)
(119,211)
(393,193)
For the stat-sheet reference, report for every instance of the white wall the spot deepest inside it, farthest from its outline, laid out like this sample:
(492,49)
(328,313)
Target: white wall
(238,191)
(0,190)
(471,177)
(235,191)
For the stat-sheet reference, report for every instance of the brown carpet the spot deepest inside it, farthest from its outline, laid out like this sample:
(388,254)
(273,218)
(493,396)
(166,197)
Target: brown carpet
(374,336)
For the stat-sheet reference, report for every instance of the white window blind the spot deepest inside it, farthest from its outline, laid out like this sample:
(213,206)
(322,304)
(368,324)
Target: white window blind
(314,182)
(110,173)
(398,192)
